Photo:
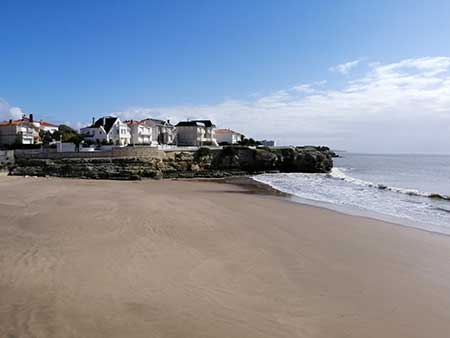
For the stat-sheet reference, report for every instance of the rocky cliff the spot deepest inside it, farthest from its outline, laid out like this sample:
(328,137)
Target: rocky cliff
(204,162)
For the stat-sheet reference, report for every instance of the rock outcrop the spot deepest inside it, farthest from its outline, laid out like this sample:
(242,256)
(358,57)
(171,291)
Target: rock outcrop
(205,162)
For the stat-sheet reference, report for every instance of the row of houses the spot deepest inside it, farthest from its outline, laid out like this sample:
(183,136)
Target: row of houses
(24,131)
(112,129)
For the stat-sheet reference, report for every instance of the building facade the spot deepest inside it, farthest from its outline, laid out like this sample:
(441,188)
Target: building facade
(108,129)
(140,133)
(196,133)
(163,132)
(24,131)
(17,132)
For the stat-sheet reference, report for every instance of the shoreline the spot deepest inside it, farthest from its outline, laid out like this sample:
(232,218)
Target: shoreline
(185,258)
(253,186)
(256,187)
(357,212)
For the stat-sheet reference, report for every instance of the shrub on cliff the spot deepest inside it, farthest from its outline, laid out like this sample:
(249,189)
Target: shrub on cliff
(249,142)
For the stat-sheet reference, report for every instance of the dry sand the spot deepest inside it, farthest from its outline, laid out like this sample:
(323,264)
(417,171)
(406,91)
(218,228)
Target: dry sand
(201,259)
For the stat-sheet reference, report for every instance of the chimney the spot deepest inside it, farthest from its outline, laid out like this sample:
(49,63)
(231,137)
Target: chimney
(104,120)
(93,120)
(10,121)
(31,117)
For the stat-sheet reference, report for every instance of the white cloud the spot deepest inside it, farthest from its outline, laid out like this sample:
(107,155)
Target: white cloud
(396,107)
(345,68)
(309,88)
(9,112)
(76,125)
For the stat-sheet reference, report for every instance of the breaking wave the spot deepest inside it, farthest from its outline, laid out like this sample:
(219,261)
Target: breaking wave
(346,193)
(339,174)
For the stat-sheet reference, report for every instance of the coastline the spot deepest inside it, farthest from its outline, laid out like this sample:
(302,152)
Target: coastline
(184,258)
(348,210)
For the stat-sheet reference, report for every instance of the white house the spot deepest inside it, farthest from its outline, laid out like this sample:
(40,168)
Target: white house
(196,133)
(228,136)
(140,132)
(108,129)
(210,132)
(24,131)
(17,132)
(163,132)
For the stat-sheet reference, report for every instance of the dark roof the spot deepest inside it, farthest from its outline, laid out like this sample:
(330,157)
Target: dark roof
(133,122)
(107,123)
(189,124)
(159,122)
(206,123)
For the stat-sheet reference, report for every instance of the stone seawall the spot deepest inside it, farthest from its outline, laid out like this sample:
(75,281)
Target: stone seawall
(116,152)
(6,160)
(204,162)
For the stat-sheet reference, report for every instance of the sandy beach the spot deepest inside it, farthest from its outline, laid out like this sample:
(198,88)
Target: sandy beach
(83,258)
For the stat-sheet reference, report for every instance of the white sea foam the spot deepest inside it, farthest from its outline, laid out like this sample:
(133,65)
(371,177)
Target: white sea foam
(345,191)
(339,173)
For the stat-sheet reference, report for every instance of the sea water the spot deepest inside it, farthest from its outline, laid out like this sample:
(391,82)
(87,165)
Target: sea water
(412,190)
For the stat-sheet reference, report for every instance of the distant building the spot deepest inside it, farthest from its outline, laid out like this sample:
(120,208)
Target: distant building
(18,131)
(228,136)
(110,129)
(268,143)
(196,133)
(210,132)
(140,133)
(163,132)
(24,131)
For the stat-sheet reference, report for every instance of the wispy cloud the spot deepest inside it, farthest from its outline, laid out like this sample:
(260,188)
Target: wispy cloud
(402,106)
(345,68)
(9,112)
(309,88)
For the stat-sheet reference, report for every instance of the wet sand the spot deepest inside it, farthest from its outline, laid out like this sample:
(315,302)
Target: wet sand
(201,259)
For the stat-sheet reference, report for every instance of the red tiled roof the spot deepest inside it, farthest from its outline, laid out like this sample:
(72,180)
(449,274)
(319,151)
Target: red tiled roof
(13,122)
(17,122)
(47,124)
(227,131)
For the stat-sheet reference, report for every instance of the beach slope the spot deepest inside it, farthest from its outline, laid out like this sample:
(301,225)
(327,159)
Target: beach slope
(83,258)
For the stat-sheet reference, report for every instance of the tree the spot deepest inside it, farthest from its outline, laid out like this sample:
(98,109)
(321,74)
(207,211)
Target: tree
(249,142)
(46,136)
(67,134)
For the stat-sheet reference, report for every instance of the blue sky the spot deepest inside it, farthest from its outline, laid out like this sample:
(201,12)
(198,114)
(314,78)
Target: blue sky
(68,60)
